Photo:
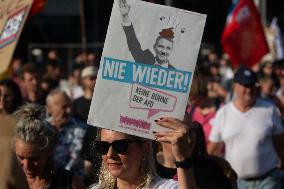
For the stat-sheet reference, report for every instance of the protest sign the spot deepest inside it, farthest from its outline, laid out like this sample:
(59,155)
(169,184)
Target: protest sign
(13,14)
(146,66)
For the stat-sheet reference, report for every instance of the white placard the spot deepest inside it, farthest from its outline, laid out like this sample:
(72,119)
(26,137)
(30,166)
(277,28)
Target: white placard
(146,67)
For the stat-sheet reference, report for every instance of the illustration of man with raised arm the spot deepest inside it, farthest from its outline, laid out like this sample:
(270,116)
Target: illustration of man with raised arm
(163,45)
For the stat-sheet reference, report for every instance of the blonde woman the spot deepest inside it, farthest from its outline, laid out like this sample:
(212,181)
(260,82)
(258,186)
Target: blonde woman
(128,162)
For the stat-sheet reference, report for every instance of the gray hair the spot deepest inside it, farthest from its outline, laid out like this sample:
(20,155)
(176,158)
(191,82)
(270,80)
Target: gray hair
(32,128)
(56,92)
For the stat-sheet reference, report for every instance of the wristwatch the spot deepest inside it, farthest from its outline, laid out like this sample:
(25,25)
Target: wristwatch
(185,164)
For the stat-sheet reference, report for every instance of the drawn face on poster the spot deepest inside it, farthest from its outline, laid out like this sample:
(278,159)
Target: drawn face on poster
(146,66)
(163,48)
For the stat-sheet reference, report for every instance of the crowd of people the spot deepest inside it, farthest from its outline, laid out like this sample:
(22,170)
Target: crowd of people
(232,134)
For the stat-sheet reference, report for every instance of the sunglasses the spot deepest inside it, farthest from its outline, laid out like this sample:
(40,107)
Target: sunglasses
(119,146)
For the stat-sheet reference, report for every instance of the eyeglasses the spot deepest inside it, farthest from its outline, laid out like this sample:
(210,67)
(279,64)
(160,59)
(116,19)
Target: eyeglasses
(119,146)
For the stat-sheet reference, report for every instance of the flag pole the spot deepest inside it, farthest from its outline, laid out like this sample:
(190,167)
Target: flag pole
(262,9)
(261,5)
(83,27)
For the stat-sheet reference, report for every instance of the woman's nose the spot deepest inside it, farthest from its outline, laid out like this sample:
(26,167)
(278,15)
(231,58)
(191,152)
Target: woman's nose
(111,152)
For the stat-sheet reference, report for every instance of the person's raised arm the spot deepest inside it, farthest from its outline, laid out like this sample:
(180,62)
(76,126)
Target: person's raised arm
(134,46)
(182,146)
(124,11)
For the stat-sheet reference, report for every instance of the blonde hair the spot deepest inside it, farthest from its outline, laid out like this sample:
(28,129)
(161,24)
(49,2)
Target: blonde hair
(148,169)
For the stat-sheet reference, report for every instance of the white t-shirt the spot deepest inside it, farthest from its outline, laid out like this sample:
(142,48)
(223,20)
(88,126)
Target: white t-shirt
(161,183)
(73,92)
(248,137)
(156,183)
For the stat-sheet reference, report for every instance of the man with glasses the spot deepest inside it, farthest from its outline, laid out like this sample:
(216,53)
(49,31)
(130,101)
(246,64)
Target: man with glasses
(253,135)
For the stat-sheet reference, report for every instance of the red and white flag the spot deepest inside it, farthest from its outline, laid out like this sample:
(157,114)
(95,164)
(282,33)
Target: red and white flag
(37,7)
(243,37)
